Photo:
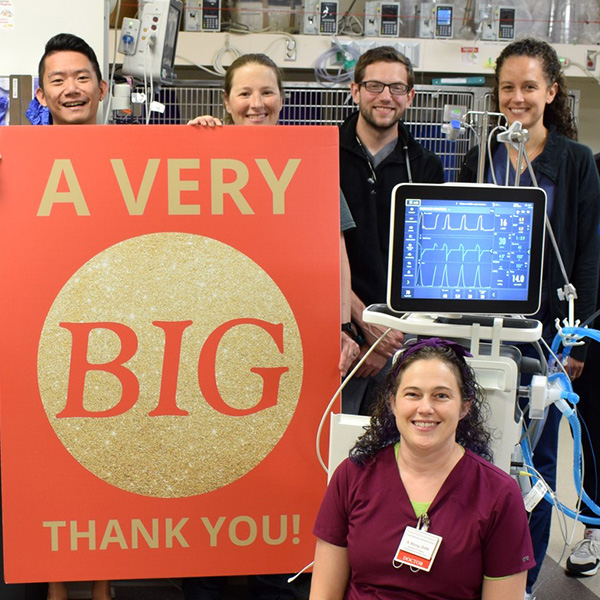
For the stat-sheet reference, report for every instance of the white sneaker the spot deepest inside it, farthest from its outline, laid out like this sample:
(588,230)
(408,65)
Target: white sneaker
(529,596)
(585,557)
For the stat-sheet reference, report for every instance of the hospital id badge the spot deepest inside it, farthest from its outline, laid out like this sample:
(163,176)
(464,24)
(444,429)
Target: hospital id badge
(417,549)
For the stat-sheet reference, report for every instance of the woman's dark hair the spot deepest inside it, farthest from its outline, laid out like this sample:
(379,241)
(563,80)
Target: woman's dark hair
(471,432)
(557,113)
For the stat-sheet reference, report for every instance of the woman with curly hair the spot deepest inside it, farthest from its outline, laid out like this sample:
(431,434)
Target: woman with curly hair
(530,88)
(417,511)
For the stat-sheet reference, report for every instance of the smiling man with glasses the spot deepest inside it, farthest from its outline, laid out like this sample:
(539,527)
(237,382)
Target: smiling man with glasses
(376,153)
(376,87)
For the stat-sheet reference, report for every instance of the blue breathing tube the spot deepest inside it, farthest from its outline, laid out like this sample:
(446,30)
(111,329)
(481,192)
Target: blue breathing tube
(578,331)
(567,394)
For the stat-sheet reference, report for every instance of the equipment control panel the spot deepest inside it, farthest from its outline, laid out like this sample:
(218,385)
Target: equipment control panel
(328,17)
(443,20)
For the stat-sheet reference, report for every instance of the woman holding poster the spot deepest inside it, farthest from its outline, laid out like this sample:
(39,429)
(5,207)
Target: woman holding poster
(253,95)
(417,511)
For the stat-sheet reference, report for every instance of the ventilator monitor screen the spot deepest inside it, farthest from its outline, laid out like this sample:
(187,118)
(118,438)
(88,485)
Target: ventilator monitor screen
(466,249)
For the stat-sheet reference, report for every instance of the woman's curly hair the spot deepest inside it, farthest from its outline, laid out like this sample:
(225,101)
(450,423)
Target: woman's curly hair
(557,113)
(471,432)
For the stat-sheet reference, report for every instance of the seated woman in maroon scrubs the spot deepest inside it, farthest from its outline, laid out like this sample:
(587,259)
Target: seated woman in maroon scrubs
(417,511)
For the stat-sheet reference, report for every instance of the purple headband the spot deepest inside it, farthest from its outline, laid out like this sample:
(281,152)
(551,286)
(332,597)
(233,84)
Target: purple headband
(433,342)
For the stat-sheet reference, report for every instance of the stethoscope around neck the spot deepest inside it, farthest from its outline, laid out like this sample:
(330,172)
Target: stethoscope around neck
(408,170)
(373,178)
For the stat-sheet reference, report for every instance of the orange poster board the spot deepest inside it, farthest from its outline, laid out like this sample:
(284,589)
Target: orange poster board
(169,338)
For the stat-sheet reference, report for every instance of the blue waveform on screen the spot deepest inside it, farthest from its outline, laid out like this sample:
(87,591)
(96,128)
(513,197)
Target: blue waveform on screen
(465,250)
(455,250)
(459,222)
(443,266)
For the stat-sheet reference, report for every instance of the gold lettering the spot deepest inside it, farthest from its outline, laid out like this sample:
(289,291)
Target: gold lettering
(212,531)
(171,533)
(53,196)
(138,527)
(176,185)
(135,205)
(267,530)
(54,525)
(278,186)
(90,535)
(113,534)
(233,535)
(219,188)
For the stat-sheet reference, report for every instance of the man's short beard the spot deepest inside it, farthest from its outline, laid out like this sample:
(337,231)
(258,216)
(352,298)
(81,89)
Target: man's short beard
(372,123)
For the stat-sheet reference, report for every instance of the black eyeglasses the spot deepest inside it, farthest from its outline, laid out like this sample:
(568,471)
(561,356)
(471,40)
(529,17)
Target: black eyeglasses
(376,87)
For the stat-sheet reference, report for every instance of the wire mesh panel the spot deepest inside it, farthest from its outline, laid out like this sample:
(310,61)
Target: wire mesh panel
(425,117)
(314,105)
(183,103)
(311,104)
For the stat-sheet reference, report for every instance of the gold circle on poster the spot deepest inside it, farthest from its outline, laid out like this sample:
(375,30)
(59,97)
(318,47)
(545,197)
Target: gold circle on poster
(171,277)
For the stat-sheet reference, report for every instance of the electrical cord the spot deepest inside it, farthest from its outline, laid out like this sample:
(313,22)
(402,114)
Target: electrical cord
(551,497)
(146,97)
(226,49)
(584,69)
(199,66)
(218,68)
(150,101)
(590,319)
(351,26)
(284,36)
(549,229)
(474,131)
(535,184)
(489,151)
(329,406)
(555,361)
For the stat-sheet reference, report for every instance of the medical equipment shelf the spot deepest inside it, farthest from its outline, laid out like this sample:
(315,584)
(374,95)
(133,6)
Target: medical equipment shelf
(467,57)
